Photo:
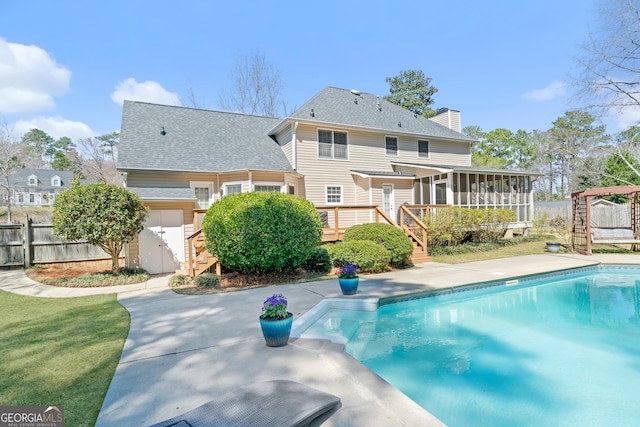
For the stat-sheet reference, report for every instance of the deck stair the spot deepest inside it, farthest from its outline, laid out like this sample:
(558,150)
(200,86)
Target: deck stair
(203,261)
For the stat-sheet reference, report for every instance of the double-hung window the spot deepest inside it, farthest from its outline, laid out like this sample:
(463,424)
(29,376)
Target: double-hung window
(391,144)
(423,149)
(232,188)
(332,144)
(334,194)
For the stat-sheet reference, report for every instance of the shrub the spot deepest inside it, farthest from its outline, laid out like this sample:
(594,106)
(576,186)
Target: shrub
(262,232)
(319,261)
(392,238)
(179,280)
(454,225)
(206,280)
(367,255)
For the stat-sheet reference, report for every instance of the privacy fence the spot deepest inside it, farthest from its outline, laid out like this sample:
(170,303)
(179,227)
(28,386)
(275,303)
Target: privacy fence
(29,244)
(602,215)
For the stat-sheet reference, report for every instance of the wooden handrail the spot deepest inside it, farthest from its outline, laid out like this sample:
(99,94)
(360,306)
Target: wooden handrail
(404,210)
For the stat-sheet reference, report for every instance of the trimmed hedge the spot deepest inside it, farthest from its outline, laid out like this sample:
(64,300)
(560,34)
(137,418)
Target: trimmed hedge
(392,238)
(369,256)
(262,232)
(319,261)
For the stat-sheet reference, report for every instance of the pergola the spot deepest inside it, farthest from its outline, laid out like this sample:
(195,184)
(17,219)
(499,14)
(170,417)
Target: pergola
(584,235)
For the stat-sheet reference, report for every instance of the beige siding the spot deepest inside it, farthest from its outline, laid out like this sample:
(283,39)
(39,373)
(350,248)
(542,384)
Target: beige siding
(168,179)
(284,140)
(450,119)
(366,152)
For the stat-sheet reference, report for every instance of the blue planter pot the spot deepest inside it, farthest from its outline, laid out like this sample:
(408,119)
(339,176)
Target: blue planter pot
(349,286)
(276,332)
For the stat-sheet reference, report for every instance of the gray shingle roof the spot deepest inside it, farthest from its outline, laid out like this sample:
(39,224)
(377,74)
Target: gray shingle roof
(338,106)
(196,140)
(20,177)
(163,193)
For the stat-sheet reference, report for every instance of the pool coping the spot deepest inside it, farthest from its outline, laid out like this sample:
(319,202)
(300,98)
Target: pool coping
(371,304)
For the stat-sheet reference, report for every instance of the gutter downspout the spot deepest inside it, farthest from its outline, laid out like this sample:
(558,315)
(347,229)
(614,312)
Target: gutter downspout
(294,148)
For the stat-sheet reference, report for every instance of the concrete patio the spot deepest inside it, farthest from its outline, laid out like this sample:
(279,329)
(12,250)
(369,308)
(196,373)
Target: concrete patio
(183,351)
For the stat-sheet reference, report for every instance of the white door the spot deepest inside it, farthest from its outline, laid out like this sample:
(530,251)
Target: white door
(387,200)
(162,242)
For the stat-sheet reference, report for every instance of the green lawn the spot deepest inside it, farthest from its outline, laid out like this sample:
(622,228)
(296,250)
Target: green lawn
(525,248)
(60,351)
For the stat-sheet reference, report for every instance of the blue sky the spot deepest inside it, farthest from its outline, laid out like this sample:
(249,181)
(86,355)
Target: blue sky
(65,66)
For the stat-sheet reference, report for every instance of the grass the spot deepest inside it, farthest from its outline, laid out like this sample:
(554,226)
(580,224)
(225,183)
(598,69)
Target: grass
(60,351)
(508,248)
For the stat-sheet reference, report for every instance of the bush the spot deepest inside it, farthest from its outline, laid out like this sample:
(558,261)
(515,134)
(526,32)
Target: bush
(206,280)
(262,232)
(454,225)
(369,256)
(319,261)
(179,280)
(392,238)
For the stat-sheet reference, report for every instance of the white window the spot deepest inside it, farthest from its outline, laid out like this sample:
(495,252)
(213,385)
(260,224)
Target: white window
(332,144)
(334,194)
(232,188)
(55,181)
(203,191)
(423,149)
(391,144)
(202,196)
(32,180)
(267,188)
(32,198)
(20,197)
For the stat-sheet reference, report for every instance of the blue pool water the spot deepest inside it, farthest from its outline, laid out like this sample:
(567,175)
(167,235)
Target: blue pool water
(558,351)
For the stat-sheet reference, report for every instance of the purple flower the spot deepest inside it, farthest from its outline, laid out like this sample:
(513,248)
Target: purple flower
(349,271)
(275,307)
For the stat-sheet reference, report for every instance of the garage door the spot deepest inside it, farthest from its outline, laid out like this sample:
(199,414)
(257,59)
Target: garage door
(162,242)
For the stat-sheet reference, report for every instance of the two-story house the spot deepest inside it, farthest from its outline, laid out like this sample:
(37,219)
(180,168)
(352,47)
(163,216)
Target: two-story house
(37,187)
(341,148)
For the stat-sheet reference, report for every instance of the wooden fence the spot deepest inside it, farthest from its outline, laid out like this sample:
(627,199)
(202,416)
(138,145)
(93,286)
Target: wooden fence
(28,244)
(602,216)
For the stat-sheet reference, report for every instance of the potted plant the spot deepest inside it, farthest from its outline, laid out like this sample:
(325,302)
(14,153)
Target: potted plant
(276,321)
(348,279)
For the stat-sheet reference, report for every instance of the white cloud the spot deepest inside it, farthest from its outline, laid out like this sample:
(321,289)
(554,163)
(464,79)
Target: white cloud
(626,117)
(148,91)
(55,126)
(29,78)
(553,90)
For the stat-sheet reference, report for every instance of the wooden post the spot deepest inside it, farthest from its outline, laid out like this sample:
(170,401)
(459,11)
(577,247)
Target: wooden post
(28,239)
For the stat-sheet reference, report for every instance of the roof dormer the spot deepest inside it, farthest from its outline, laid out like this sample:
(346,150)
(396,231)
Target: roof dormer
(55,181)
(32,180)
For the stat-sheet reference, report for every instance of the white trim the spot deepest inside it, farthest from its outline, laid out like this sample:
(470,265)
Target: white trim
(202,184)
(226,184)
(333,156)
(326,194)
(397,146)
(29,178)
(59,184)
(428,156)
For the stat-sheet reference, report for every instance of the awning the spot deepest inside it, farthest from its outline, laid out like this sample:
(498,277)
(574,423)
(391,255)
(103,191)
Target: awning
(436,169)
(383,174)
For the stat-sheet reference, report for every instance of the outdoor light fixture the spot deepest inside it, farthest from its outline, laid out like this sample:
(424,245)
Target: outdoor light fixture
(312,114)
(399,124)
(162,131)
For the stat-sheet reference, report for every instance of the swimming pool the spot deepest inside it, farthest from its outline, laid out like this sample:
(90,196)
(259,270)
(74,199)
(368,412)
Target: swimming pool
(559,349)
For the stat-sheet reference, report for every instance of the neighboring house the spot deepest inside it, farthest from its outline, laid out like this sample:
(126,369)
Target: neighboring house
(37,187)
(341,148)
